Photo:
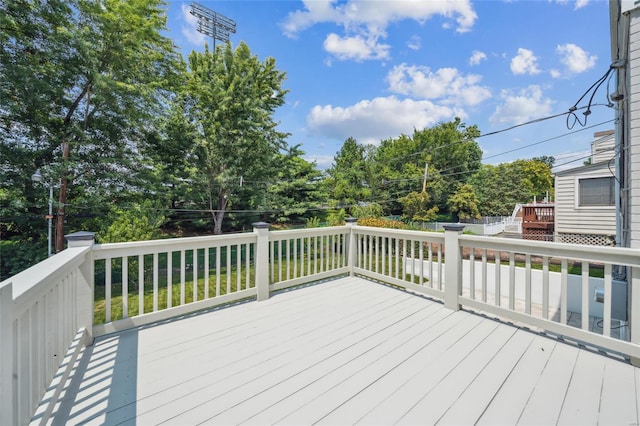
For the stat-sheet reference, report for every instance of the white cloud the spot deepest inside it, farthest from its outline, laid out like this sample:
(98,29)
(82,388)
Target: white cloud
(526,105)
(448,85)
(368,20)
(525,62)
(555,73)
(322,161)
(356,48)
(575,59)
(370,121)
(477,57)
(189,29)
(414,43)
(578,4)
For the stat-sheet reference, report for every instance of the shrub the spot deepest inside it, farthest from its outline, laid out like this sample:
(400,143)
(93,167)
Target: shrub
(379,222)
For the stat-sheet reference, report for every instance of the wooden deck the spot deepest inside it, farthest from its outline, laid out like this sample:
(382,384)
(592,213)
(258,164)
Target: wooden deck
(345,351)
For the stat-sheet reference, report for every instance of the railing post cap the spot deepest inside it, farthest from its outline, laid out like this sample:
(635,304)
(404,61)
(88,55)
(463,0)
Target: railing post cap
(351,220)
(260,225)
(456,227)
(81,238)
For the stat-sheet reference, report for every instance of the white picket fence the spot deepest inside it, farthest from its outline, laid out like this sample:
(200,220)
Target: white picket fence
(50,311)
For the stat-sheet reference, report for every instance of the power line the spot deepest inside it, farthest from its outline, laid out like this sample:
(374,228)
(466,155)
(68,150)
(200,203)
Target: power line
(550,139)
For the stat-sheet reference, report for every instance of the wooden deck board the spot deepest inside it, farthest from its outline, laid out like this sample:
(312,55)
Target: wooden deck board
(300,358)
(545,403)
(344,352)
(582,401)
(311,383)
(440,397)
(508,403)
(468,408)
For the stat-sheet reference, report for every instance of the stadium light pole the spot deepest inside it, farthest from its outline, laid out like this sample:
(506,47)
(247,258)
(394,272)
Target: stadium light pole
(213,24)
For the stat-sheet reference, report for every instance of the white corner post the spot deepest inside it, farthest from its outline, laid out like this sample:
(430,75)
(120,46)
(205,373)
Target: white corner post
(452,266)
(8,363)
(351,245)
(634,311)
(262,260)
(85,290)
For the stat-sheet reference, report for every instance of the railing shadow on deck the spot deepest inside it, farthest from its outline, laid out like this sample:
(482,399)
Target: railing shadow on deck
(93,290)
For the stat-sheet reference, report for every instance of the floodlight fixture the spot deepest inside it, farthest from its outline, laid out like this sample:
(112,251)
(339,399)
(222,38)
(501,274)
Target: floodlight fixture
(213,24)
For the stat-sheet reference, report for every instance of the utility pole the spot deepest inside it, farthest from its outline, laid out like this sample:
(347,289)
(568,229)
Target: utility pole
(426,175)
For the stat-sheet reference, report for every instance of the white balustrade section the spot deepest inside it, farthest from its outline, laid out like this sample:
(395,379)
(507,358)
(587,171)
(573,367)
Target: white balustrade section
(148,281)
(42,311)
(410,259)
(530,282)
(304,255)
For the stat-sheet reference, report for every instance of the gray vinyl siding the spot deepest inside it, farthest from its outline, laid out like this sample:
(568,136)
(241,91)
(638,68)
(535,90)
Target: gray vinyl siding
(603,149)
(634,126)
(581,220)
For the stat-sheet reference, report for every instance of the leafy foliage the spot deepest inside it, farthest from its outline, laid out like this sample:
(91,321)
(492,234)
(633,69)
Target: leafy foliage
(138,223)
(416,207)
(369,210)
(347,177)
(464,202)
(499,188)
(382,223)
(296,191)
(232,97)
(336,217)
(80,80)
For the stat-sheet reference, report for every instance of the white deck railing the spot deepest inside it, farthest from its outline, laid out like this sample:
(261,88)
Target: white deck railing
(522,287)
(45,319)
(49,312)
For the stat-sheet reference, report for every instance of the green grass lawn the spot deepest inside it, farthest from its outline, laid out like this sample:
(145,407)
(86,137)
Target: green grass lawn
(228,281)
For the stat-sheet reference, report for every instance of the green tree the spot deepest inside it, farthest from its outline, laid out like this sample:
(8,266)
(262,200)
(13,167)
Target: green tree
(367,210)
(499,188)
(137,223)
(80,80)
(232,97)
(398,165)
(546,159)
(347,177)
(296,190)
(336,217)
(453,152)
(417,207)
(172,160)
(464,202)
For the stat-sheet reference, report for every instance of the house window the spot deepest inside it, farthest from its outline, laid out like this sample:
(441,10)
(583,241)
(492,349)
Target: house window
(597,192)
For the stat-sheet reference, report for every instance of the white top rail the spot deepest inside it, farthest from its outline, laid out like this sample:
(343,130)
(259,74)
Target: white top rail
(612,255)
(110,250)
(37,280)
(395,233)
(306,232)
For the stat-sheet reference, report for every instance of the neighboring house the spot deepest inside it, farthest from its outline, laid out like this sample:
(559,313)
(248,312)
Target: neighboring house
(585,211)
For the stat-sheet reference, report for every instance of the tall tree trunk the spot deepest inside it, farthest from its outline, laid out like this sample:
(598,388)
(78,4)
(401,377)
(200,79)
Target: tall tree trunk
(62,201)
(64,182)
(218,214)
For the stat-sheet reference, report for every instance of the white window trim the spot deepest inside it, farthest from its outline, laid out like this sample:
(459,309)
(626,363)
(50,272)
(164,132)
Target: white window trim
(576,192)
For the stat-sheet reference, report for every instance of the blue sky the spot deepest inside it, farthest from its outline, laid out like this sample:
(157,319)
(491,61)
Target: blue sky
(375,69)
